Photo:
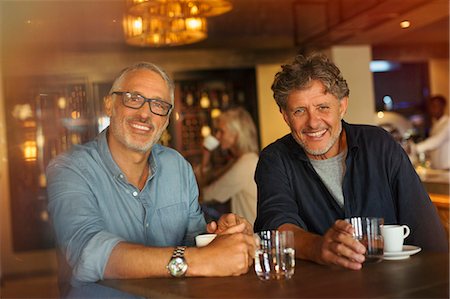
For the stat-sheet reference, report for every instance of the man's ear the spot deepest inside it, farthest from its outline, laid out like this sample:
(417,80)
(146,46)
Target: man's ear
(108,102)
(285,116)
(343,104)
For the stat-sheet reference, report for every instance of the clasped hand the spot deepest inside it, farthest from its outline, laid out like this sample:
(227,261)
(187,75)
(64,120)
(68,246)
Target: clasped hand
(233,250)
(338,247)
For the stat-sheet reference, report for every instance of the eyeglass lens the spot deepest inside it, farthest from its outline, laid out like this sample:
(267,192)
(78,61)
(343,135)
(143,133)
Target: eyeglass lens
(136,101)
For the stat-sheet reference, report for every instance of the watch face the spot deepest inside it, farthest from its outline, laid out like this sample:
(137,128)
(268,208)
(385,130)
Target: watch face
(177,267)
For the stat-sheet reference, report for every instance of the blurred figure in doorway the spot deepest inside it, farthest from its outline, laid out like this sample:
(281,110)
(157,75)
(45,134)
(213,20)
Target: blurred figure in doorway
(236,133)
(436,146)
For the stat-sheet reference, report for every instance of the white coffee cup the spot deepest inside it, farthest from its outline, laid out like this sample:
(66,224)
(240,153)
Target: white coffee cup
(205,239)
(210,142)
(394,236)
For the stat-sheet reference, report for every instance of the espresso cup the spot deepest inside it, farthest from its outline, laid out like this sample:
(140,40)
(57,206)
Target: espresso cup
(367,230)
(210,142)
(205,239)
(394,236)
(275,255)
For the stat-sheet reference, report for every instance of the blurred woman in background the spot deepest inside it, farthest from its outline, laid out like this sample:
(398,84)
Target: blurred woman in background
(236,133)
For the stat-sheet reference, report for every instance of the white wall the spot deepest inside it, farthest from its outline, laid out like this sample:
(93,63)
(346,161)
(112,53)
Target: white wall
(439,78)
(354,63)
(271,123)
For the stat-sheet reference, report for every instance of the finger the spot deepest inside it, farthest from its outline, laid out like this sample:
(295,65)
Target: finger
(234,229)
(211,227)
(248,227)
(346,263)
(343,226)
(342,250)
(350,242)
(249,261)
(236,219)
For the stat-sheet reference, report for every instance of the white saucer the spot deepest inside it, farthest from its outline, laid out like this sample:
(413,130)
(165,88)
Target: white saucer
(407,251)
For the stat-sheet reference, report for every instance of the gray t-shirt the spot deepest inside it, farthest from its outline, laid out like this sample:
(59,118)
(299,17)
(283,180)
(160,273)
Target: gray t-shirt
(331,171)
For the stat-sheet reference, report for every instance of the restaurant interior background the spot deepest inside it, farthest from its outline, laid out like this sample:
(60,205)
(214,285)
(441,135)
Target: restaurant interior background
(58,59)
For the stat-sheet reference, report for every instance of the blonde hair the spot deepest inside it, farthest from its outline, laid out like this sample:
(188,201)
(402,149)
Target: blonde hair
(240,122)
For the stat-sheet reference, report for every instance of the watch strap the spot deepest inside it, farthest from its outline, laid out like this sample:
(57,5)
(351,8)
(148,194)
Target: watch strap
(179,252)
(177,266)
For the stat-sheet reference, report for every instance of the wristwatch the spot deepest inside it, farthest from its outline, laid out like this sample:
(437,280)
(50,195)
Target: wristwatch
(177,265)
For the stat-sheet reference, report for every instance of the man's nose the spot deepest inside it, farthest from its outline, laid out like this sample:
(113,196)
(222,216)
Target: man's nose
(145,111)
(313,119)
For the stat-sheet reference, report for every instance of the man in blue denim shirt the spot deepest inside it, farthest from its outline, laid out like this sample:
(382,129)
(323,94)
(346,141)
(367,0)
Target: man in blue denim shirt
(123,205)
(327,170)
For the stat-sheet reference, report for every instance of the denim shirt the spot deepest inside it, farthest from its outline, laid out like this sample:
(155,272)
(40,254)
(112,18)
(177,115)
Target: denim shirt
(379,181)
(93,206)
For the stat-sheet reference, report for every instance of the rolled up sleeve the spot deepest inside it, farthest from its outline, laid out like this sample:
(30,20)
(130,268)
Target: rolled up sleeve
(77,223)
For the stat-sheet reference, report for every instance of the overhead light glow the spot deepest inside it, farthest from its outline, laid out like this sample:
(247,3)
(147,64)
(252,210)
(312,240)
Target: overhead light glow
(405,24)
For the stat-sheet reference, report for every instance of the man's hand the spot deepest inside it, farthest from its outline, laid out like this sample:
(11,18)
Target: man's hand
(230,224)
(338,247)
(229,254)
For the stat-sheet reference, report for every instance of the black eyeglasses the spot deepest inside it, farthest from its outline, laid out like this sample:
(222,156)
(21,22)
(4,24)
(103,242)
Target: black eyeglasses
(136,101)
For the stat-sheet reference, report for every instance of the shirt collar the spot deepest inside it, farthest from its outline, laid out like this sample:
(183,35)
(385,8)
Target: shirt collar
(352,145)
(105,154)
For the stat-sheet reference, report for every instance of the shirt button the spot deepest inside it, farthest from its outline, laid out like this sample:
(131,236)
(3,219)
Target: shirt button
(121,176)
(135,193)
(146,225)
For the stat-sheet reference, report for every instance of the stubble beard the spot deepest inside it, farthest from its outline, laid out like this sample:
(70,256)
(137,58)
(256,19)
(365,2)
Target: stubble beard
(119,132)
(323,151)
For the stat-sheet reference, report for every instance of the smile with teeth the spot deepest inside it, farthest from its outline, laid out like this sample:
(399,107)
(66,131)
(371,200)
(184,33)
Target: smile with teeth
(315,134)
(139,127)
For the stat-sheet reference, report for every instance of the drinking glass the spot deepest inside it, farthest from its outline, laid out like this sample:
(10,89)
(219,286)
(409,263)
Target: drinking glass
(367,230)
(275,255)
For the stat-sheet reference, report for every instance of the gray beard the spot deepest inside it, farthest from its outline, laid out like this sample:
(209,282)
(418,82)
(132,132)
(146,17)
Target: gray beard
(321,152)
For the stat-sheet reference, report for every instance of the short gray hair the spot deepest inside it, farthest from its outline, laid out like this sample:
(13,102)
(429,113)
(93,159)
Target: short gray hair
(304,69)
(150,67)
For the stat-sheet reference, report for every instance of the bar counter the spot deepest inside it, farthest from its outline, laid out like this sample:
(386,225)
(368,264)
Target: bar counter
(424,275)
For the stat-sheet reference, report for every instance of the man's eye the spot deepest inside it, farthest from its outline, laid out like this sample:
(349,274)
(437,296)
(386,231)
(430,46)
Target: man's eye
(322,108)
(299,111)
(135,98)
(158,105)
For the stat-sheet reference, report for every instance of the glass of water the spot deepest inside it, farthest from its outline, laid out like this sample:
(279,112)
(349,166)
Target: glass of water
(275,255)
(367,230)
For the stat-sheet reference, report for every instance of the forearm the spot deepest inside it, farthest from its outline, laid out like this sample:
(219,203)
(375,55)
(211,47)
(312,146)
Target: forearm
(137,261)
(307,245)
(129,260)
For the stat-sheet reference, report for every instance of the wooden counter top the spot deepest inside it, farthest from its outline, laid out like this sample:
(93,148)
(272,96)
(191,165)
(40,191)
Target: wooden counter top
(440,200)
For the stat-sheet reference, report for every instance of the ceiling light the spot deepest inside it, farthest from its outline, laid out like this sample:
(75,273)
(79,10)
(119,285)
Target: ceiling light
(157,23)
(405,24)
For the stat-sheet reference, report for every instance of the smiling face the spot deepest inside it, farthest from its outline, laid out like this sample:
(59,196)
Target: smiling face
(137,129)
(314,118)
